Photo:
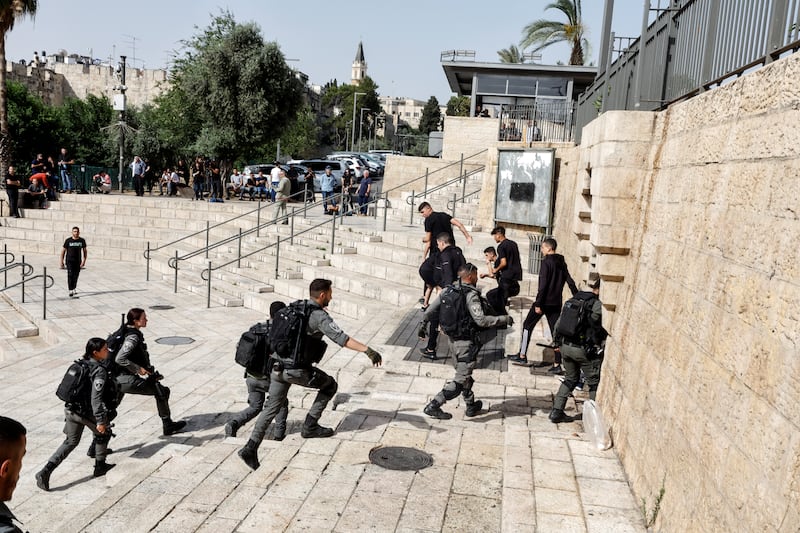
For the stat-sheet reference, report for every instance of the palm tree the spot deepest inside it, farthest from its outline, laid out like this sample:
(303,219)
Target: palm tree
(512,54)
(10,11)
(542,33)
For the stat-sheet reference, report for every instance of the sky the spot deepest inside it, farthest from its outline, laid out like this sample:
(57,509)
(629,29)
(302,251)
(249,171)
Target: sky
(402,41)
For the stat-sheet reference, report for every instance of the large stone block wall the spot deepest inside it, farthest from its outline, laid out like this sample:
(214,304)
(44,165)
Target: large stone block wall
(690,216)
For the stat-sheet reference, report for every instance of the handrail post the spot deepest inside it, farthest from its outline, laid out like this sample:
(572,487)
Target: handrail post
(5,265)
(44,293)
(147,276)
(454,205)
(333,232)
(208,229)
(461,165)
(208,293)
(258,218)
(239,253)
(305,192)
(385,208)
(277,256)
(411,218)
(463,187)
(291,228)
(175,290)
(425,194)
(23,279)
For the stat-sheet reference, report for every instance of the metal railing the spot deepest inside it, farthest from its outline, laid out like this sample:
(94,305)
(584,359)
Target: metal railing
(548,121)
(689,47)
(289,218)
(26,273)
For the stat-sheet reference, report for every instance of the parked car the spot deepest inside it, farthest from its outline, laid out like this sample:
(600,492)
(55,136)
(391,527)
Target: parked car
(353,163)
(295,172)
(318,166)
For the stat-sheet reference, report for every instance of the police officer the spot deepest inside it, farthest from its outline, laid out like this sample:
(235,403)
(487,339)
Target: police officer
(97,416)
(284,374)
(257,388)
(13,443)
(464,347)
(137,375)
(585,354)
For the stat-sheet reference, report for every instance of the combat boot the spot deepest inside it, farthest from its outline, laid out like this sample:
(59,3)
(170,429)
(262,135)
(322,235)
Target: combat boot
(171,427)
(434,409)
(474,408)
(231,428)
(92,451)
(43,476)
(280,433)
(312,429)
(249,455)
(557,415)
(101,467)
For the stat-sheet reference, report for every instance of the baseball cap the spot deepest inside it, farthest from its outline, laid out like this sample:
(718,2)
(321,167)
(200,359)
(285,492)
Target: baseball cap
(328,167)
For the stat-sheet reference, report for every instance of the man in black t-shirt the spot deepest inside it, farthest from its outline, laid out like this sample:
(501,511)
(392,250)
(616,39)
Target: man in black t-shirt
(12,188)
(436,223)
(73,258)
(508,271)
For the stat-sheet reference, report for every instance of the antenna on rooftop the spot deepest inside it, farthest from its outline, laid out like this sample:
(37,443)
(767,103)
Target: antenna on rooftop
(132,42)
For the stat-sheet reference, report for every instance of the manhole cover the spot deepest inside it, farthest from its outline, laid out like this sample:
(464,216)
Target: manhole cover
(400,458)
(162,307)
(174,341)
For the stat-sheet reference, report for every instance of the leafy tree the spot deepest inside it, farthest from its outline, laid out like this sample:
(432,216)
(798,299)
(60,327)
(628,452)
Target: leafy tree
(10,11)
(340,98)
(82,129)
(431,116)
(512,54)
(299,138)
(33,127)
(458,106)
(237,87)
(542,33)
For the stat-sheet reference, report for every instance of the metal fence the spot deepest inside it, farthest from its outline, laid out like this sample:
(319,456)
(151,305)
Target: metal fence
(690,46)
(552,121)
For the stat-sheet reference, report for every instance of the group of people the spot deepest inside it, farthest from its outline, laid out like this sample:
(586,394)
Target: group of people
(47,178)
(444,267)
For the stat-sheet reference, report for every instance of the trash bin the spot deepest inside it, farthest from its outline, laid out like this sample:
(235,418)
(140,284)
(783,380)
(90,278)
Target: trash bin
(535,252)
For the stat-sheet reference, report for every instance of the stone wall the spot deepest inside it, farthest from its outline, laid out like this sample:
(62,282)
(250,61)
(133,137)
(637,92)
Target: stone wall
(691,218)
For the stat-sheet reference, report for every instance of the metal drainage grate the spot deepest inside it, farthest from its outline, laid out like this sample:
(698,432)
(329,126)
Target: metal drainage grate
(400,458)
(175,341)
(162,307)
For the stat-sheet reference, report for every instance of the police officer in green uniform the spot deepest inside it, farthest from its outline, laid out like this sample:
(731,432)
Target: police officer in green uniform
(464,345)
(581,354)
(97,416)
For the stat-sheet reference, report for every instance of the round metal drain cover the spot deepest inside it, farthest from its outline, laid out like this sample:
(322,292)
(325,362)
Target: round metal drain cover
(162,307)
(175,341)
(400,458)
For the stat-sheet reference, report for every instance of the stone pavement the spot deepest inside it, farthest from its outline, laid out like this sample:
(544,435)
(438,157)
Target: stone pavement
(508,469)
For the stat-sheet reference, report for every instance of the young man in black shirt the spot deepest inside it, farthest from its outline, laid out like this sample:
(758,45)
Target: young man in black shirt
(507,271)
(12,188)
(73,258)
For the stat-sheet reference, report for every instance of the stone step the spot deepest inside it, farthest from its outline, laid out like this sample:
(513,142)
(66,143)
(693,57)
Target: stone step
(15,322)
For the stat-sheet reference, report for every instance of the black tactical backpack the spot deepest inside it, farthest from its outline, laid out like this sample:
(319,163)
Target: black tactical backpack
(454,317)
(287,336)
(75,388)
(575,323)
(114,343)
(253,349)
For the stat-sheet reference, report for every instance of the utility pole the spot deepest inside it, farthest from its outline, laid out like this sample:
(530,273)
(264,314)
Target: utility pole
(119,105)
(353,133)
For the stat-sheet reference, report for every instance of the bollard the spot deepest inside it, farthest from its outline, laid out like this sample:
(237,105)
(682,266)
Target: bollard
(208,229)
(411,221)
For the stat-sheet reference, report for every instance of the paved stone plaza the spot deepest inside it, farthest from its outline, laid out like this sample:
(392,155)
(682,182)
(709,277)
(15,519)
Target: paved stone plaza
(508,469)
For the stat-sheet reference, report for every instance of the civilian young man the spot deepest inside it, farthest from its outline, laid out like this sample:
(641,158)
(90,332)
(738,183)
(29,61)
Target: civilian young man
(508,271)
(12,189)
(73,258)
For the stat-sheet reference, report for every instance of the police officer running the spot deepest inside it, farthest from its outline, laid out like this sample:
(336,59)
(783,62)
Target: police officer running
(284,373)
(581,354)
(257,388)
(465,339)
(138,376)
(97,416)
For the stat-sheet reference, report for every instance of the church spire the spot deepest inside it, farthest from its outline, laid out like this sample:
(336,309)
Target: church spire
(359,68)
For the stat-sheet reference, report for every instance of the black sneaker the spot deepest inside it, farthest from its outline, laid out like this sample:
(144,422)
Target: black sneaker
(428,354)
(316,432)
(435,411)
(474,408)
(231,428)
(556,370)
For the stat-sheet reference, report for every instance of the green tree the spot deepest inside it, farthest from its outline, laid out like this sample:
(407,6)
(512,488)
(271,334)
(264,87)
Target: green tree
(431,116)
(33,127)
(238,87)
(458,106)
(299,139)
(82,129)
(338,128)
(10,11)
(512,54)
(542,33)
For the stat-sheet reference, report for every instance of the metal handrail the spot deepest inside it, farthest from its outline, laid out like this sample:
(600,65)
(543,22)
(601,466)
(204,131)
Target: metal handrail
(451,203)
(445,184)
(27,269)
(426,175)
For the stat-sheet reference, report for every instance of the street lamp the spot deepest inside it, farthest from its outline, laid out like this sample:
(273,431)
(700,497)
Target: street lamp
(353,133)
(361,125)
